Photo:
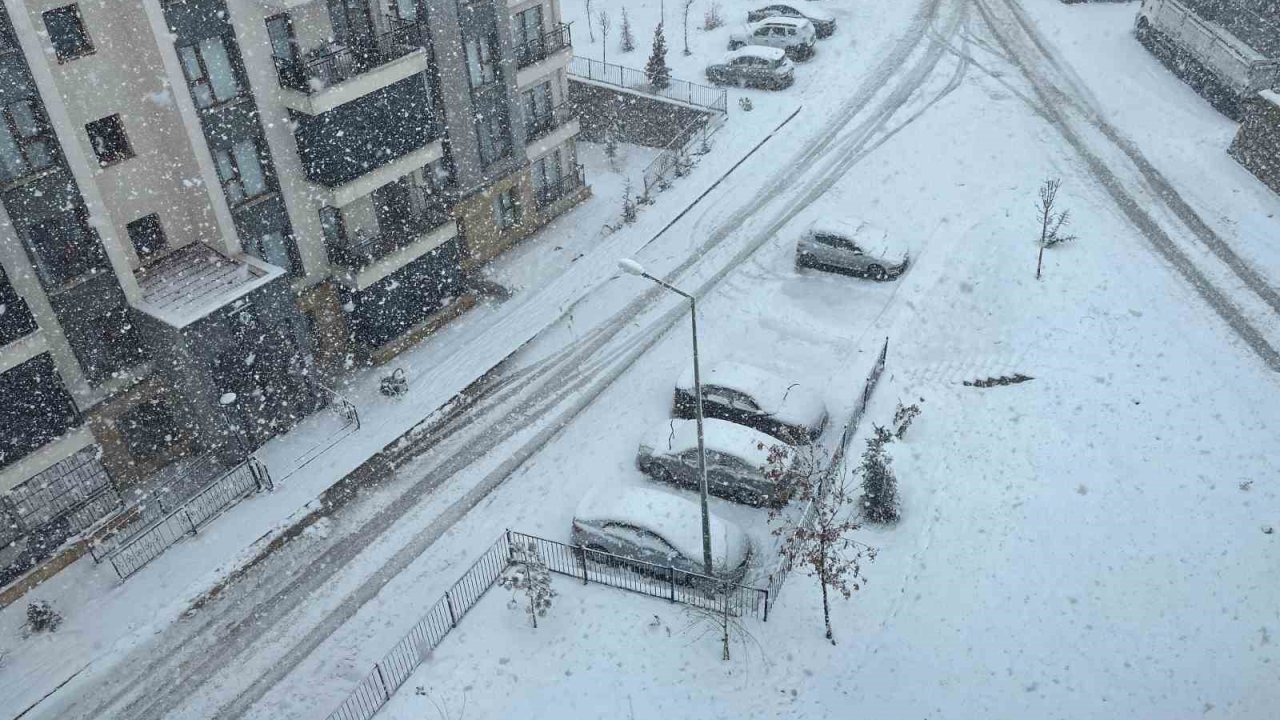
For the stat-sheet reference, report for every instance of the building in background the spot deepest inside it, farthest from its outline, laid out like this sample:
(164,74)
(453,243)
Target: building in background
(208,208)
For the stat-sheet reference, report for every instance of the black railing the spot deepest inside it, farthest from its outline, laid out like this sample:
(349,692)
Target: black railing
(334,65)
(358,252)
(541,125)
(624,77)
(553,41)
(568,183)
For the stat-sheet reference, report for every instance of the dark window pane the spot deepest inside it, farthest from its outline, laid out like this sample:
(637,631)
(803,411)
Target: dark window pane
(147,235)
(108,140)
(67,33)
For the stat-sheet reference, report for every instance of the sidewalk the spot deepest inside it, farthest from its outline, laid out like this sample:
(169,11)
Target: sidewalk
(547,273)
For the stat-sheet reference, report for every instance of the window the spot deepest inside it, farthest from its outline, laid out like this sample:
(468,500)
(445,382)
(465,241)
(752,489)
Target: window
(537,108)
(148,429)
(273,247)
(506,209)
(494,135)
(528,29)
(547,176)
(26,140)
(480,64)
(67,33)
(15,317)
(405,10)
(64,247)
(37,408)
(210,72)
(284,45)
(109,142)
(335,231)
(240,169)
(439,174)
(147,235)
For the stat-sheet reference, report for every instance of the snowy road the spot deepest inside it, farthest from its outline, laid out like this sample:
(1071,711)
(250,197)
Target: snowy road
(224,658)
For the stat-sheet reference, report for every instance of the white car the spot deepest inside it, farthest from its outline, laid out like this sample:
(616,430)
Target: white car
(851,248)
(795,36)
(824,23)
(737,460)
(754,66)
(658,527)
(788,410)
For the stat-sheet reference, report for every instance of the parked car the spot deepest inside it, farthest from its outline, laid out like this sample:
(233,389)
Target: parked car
(659,527)
(824,23)
(795,36)
(737,459)
(754,66)
(757,398)
(1228,51)
(851,248)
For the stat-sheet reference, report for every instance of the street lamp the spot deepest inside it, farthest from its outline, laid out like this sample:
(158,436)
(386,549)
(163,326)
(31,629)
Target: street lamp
(631,267)
(226,401)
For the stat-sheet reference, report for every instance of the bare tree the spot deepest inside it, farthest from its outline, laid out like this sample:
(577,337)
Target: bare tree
(626,41)
(687,5)
(1051,221)
(528,574)
(720,620)
(606,25)
(711,17)
(820,543)
(591,33)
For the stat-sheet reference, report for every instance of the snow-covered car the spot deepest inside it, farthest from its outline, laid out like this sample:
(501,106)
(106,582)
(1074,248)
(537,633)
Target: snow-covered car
(754,66)
(737,459)
(824,23)
(757,398)
(795,36)
(851,248)
(658,527)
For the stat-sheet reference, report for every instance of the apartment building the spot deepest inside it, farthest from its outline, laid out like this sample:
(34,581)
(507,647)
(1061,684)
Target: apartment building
(210,207)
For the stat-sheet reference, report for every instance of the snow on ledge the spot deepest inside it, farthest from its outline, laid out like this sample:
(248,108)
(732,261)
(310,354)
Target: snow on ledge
(196,280)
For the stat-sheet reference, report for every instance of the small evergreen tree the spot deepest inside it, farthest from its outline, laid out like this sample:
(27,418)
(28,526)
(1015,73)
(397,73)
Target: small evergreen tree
(629,208)
(879,486)
(528,574)
(611,148)
(627,41)
(1051,221)
(41,617)
(903,416)
(656,69)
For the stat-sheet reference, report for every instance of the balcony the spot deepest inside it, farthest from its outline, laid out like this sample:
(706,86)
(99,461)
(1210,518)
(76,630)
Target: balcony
(334,74)
(369,257)
(569,183)
(541,126)
(535,51)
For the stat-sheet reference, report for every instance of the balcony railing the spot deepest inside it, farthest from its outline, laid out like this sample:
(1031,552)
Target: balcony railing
(541,125)
(568,183)
(539,48)
(361,251)
(333,65)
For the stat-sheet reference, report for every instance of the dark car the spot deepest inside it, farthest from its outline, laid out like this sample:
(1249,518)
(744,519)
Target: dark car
(754,66)
(756,398)
(824,24)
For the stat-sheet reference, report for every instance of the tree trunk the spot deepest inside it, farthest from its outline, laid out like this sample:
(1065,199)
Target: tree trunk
(826,603)
(1040,260)
(533,613)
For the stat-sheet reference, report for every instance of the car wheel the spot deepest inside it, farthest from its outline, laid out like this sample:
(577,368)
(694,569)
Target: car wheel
(734,44)
(1143,32)
(877,273)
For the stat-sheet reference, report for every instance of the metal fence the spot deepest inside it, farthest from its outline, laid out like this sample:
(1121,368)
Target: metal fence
(702,96)
(779,575)
(224,491)
(677,157)
(398,665)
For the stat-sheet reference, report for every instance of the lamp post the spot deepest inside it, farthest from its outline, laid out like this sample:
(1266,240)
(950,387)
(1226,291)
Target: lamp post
(225,402)
(631,267)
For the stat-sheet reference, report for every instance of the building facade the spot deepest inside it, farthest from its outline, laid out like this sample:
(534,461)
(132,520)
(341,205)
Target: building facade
(208,208)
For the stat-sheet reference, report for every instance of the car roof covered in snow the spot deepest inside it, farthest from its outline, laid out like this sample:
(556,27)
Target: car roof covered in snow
(758,51)
(674,517)
(807,9)
(787,400)
(675,436)
(869,237)
(780,20)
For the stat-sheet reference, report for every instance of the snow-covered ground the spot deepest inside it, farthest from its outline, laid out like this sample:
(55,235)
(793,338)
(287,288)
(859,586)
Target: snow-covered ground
(1088,544)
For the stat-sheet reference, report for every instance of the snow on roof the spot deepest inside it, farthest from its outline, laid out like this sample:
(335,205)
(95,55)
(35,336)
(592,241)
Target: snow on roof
(195,280)
(676,518)
(676,436)
(871,238)
(790,401)
(757,51)
(780,20)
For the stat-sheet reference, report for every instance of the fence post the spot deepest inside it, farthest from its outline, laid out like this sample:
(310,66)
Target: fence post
(671,573)
(453,616)
(192,523)
(509,548)
(386,691)
(583,552)
(766,604)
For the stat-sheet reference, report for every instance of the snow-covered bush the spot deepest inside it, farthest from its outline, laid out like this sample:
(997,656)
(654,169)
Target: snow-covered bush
(656,70)
(903,416)
(711,17)
(879,486)
(41,617)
